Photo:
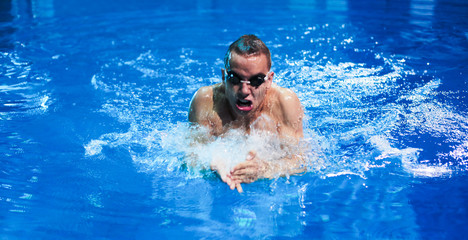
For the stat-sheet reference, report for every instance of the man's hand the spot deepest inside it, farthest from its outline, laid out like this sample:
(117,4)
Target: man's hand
(250,170)
(224,174)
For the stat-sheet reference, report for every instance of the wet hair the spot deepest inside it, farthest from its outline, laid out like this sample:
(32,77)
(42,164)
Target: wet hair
(247,45)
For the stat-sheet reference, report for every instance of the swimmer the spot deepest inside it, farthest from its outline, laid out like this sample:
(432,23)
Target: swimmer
(248,99)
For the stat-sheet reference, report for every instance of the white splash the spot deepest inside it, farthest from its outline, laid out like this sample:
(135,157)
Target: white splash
(409,159)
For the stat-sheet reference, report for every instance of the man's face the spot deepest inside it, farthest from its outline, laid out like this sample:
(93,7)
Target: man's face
(243,98)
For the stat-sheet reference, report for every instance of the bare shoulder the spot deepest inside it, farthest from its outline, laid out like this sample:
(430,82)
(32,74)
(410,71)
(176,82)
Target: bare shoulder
(202,101)
(203,95)
(289,102)
(291,110)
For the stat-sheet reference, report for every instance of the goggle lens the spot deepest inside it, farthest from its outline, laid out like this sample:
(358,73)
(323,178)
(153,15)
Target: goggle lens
(254,81)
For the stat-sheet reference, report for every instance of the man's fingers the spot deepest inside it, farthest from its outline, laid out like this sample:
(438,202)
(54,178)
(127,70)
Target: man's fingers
(239,172)
(239,188)
(240,166)
(237,178)
(244,178)
(229,181)
(247,168)
(244,172)
(243,165)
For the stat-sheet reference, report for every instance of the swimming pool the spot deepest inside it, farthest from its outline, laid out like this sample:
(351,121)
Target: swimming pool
(94,98)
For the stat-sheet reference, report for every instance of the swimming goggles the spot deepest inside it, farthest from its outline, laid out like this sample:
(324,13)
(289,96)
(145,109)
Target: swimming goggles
(254,81)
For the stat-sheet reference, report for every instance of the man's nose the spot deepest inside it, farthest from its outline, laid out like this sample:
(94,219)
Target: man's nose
(245,87)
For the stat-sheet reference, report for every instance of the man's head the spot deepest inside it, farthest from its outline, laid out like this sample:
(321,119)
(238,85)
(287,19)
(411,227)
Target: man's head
(247,76)
(247,45)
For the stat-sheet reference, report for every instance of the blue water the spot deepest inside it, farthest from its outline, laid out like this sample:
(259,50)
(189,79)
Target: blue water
(94,136)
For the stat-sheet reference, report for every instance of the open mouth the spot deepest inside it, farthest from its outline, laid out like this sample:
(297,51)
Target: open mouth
(244,105)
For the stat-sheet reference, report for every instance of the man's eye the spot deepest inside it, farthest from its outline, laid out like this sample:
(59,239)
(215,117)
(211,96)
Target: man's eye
(233,79)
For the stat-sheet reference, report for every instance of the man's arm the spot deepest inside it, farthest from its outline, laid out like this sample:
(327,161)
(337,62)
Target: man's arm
(201,112)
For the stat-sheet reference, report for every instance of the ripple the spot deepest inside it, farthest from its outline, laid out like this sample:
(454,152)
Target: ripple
(23,89)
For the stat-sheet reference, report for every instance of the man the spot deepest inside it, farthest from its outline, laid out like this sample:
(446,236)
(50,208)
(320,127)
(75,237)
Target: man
(248,99)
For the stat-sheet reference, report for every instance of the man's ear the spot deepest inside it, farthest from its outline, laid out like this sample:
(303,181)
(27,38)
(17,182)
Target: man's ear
(222,73)
(270,79)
